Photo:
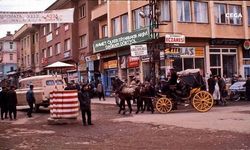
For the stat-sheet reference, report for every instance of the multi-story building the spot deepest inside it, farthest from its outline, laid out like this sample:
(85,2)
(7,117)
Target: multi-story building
(69,42)
(214,34)
(8,56)
(28,50)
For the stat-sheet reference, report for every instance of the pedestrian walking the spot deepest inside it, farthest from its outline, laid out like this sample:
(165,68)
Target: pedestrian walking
(247,85)
(100,90)
(31,100)
(85,104)
(216,93)
(223,90)
(4,103)
(12,102)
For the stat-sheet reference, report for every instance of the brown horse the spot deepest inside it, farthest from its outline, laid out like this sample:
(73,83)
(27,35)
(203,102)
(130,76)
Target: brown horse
(126,93)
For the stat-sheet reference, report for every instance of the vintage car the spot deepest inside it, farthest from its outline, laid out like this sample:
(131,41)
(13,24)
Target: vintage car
(237,90)
(43,85)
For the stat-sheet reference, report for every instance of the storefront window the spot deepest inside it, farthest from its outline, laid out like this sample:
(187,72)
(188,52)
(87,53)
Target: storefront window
(214,60)
(223,62)
(199,63)
(188,63)
(177,64)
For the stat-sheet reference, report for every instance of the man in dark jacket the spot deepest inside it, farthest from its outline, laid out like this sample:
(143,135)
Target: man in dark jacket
(211,84)
(12,102)
(84,99)
(247,85)
(30,99)
(4,103)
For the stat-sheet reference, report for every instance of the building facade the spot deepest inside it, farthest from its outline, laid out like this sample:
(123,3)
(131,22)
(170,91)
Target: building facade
(214,35)
(69,43)
(28,57)
(8,56)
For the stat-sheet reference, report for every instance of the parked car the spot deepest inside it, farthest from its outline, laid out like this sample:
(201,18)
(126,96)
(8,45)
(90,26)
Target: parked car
(237,90)
(43,85)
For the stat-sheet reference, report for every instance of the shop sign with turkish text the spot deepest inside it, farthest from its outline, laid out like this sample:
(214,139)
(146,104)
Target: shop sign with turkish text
(121,40)
(174,39)
(38,17)
(139,50)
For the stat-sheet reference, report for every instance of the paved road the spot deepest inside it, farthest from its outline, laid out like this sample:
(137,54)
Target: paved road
(221,128)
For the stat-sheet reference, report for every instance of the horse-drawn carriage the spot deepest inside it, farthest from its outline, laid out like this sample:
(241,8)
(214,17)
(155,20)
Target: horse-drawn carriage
(188,90)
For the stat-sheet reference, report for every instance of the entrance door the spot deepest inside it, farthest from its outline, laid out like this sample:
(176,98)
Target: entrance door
(109,74)
(229,65)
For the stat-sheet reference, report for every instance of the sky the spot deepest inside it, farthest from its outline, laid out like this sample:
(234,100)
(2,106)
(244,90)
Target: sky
(21,5)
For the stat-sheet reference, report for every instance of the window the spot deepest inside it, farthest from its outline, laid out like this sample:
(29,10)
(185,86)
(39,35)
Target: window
(11,45)
(146,19)
(59,82)
(188,63)
(67,45)
(83,41)
(137,19)
(28,41)
(165,10)
(36,37)
(28,59)
(57,25)
(58,48)
(50,51)
(184,11)
(48,28)
(104,31)
(115,26)
(11,68)
(220,13)
(214,60)
(37,58)
(44,53)
(11,56)
(124,23)
(200,12)
(248,15)
(235,10)
(44,30)
(50,82)
(82,12)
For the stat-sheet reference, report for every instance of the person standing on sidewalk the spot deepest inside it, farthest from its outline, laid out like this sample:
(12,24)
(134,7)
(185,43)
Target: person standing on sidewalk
(4,103)
(100,91)
(31,100)
(12,102)
(85,102)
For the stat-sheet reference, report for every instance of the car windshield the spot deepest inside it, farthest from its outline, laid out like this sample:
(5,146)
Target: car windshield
(59,82)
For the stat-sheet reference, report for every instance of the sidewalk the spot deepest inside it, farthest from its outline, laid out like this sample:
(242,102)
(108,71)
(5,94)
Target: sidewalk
(108,100)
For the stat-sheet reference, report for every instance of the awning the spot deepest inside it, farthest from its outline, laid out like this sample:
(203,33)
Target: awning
(59,65)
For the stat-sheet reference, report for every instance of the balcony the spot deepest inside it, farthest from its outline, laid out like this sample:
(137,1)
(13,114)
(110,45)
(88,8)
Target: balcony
(99,11)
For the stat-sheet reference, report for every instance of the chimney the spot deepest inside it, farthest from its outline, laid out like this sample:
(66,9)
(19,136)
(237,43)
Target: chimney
(8,33)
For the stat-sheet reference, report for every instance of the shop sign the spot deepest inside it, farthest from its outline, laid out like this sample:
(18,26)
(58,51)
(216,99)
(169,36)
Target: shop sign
(112,64)
(108,55)
(38,17)
(145,58)
(92,57)
(123,62)
(224,42)
(162,55)
(133,62)
(91,65)
(187,51)
(246,45)
(139,50)
(121,40)
(105,65)
(66,54)
(174,39)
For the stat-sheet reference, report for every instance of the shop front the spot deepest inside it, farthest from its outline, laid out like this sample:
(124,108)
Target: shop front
(225,57)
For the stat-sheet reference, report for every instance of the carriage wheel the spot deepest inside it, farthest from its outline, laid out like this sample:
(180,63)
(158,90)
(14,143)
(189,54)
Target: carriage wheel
(163,105)
(203,101)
